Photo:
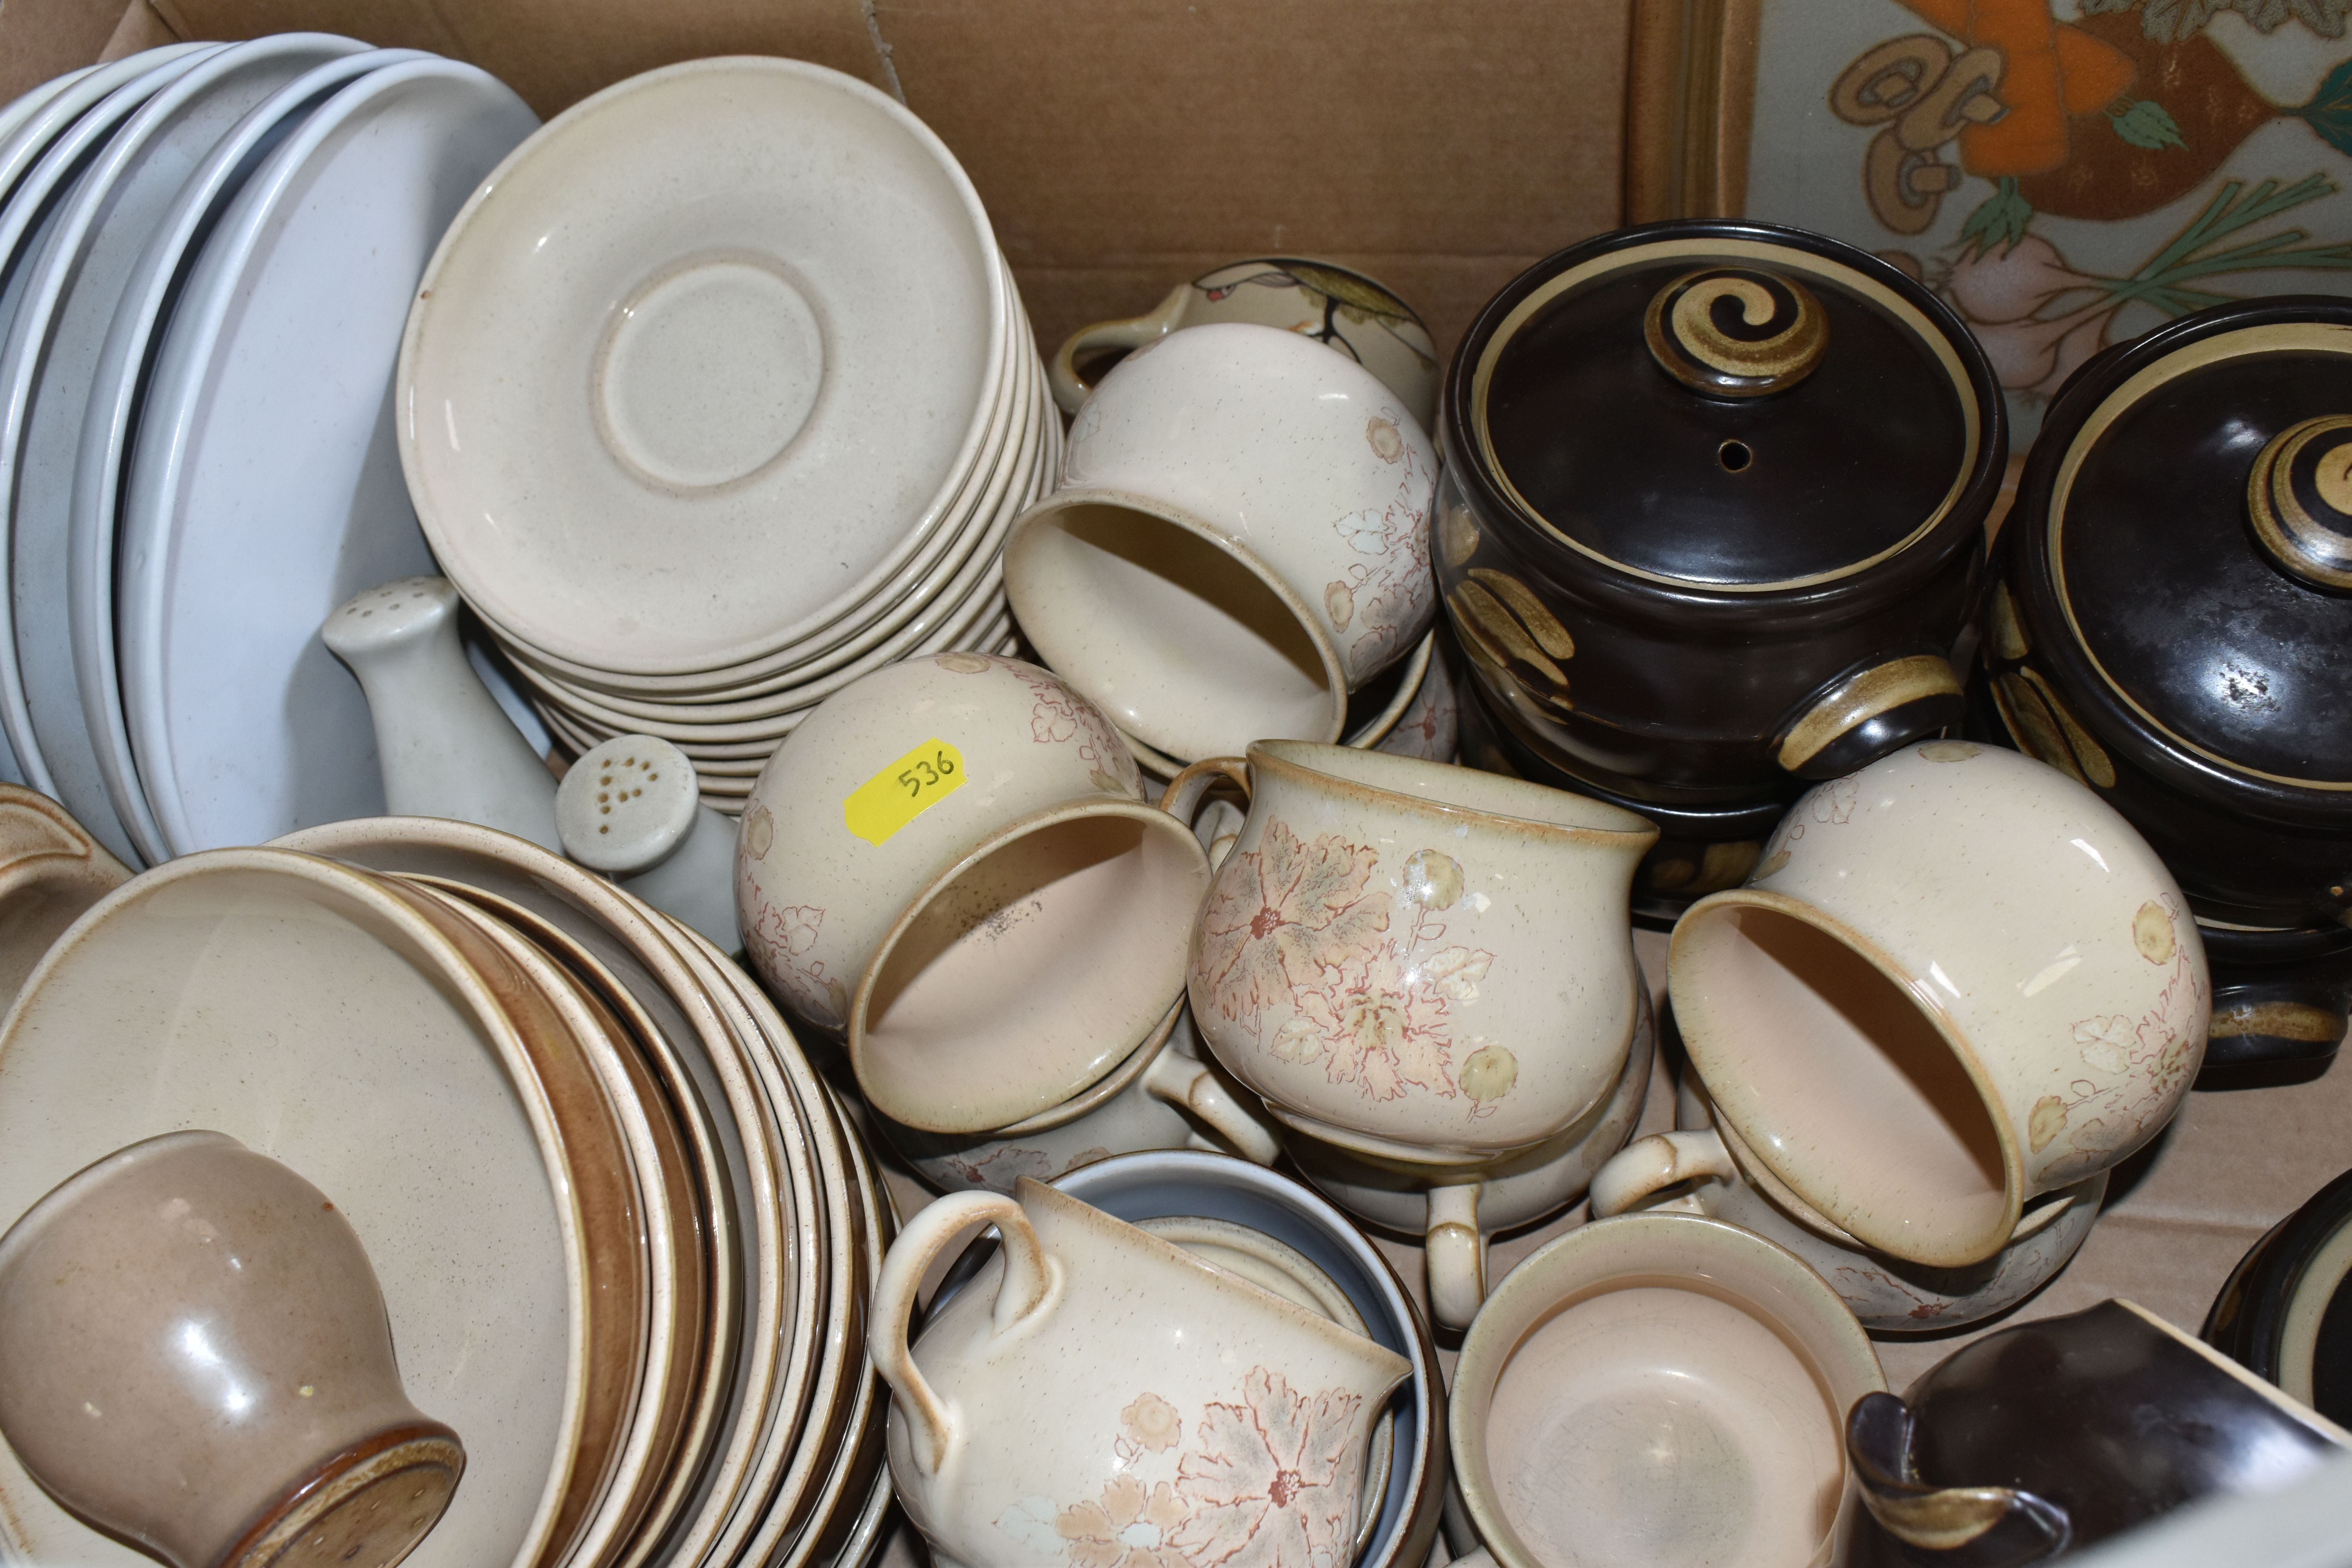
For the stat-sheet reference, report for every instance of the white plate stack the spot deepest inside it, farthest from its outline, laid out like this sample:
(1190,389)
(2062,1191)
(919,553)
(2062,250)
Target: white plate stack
(719,396)
(207,257)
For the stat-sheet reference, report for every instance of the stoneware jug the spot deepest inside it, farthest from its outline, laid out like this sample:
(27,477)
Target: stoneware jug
(1099,1384)
(1412,960)
(195,1358)
(448,749)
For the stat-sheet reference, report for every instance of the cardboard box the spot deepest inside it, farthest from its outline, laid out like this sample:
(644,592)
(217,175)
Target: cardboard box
(1125,145)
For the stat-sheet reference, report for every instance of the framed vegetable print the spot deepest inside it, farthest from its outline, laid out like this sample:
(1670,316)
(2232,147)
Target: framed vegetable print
(2066,174)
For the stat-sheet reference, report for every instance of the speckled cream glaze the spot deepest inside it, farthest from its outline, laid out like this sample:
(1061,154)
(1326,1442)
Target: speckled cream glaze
(1693,1172)
(1416,960)
(822,907)
(1297,465)
(1099,1390)
(1956,980)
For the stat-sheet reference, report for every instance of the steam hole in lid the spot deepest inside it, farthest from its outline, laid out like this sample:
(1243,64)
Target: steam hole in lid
(1734,456)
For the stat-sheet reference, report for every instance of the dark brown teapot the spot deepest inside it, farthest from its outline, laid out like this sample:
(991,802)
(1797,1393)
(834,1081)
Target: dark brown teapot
(2171,625)
(1713,513)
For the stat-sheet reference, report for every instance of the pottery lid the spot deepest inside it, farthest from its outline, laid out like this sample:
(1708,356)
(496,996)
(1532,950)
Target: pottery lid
(1727,405)
(2191,498)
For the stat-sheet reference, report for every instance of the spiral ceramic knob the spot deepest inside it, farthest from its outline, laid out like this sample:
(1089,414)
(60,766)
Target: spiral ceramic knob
(1737,332)
(2299,498)
(631,808)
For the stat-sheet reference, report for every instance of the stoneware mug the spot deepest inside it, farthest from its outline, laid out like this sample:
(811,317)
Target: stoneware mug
(1700,1169)
(195,1358)
(1657,1388)
(1957,980)
(1453,1210)
(951,862)
(1097,1381)
(1321,300)
(1240,541)
(1413,960)
(1175,1101)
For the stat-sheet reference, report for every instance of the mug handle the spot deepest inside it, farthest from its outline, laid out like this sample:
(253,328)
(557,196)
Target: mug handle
(1650,1165)
(1028,1280)
(1190,1085)
(1069,391)
(1456,1255)
(1182,798)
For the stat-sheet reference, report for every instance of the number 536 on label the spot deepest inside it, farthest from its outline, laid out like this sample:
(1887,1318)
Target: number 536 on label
(903,790)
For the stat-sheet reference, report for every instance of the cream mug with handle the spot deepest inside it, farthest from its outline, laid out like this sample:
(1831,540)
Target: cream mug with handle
(1321,301)
(1098,1384)
(1412,960)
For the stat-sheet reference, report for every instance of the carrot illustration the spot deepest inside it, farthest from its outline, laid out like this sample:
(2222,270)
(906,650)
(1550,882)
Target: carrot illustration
(2050,70)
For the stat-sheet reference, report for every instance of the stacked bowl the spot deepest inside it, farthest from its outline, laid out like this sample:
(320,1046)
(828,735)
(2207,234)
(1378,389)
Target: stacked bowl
(717,396)
(622,1233)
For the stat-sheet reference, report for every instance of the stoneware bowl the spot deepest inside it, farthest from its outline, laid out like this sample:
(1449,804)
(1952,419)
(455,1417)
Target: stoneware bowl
(1201,1409)
(1958,980)
(1454,1210)
(195,1357)
(1657,1388)
(1195,1186)
(1696,1170)
(2039,1439)
(1413,960)
(1240,541)
(301,1008)
(951,862)
(2285,1313)
(1321,300)
(1177,1101)
(51,869)
(1674,444)
(2168,626)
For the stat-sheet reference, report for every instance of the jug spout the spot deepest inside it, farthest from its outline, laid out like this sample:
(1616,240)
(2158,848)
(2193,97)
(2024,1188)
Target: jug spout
(446,748)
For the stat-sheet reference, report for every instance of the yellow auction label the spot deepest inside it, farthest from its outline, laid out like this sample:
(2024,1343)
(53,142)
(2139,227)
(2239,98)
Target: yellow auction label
(903,790)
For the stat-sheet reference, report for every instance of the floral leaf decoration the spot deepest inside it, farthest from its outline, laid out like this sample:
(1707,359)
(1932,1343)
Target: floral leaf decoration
(1361,296)
(2146,125)
(2178,21)
(2001,221)
(2329,113)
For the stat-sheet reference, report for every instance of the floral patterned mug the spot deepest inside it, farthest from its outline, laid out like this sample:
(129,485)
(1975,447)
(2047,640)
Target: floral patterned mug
(1319,300)
(1099,1391)
(1957,980)
(1415,961)
(1241,540)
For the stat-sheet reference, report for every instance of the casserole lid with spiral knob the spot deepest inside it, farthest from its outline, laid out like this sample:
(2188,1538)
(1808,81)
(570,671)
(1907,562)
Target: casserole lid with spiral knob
(2183,569)
(1730,407)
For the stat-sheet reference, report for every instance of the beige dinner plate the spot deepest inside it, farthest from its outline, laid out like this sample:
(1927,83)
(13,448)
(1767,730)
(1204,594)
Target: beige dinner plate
(304,1010)
(770,1164)
(700,1403)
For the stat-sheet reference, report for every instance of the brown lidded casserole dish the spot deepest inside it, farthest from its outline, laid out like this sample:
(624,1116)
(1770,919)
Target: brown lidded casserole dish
(1713,518)
(2173,626)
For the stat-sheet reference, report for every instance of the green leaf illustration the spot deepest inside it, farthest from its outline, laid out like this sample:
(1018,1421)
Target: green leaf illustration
(2146,124)
(1361,293)
(2330,109)
(1999,221)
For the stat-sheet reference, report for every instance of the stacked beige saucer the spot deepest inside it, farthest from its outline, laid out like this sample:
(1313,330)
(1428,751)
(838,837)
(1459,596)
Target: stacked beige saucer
(623,1234)
(717,395)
